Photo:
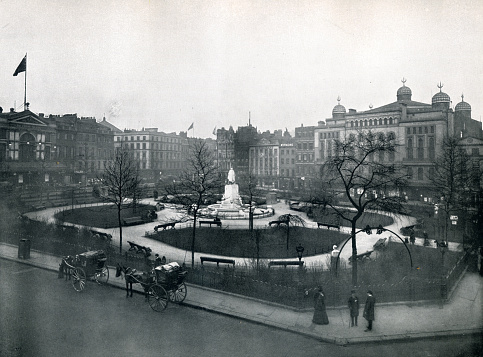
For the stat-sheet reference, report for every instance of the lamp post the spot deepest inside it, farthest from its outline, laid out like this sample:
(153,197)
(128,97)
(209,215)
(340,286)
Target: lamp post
(300,251)
(443,247)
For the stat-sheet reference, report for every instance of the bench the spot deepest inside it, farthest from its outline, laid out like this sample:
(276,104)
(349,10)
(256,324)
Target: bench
(165,226)
(278,223)
(132,220)
(363,256)
(329,226)
(101,235)
(284,263)
(140,249)
(381,243)
(217,223)
(217,261)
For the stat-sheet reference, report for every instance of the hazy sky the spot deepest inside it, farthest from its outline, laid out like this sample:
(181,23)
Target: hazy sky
(167,64)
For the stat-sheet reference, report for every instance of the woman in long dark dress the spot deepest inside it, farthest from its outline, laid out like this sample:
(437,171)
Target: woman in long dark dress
(320,313)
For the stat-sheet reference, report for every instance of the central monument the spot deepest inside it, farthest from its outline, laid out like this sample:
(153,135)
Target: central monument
(231,198)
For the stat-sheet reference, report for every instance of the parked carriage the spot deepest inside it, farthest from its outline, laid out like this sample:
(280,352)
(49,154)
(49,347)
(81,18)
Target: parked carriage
(91,264)
(162,284)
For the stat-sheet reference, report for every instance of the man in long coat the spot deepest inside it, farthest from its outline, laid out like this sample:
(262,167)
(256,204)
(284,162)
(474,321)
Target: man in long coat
(369,310)
(353,307)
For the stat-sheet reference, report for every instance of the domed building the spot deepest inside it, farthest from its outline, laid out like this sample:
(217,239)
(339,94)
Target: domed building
(417,126)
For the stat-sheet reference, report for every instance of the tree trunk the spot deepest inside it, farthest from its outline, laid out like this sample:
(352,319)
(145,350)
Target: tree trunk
(120,228)
(193,240)
(354,254)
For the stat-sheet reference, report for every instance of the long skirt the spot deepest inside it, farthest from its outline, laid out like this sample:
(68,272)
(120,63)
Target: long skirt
(320,317)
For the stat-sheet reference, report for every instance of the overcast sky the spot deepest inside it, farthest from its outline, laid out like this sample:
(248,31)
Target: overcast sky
(169,63)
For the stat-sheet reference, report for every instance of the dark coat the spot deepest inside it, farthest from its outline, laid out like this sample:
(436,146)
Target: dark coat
(353,304)
(320,313)
(369,308)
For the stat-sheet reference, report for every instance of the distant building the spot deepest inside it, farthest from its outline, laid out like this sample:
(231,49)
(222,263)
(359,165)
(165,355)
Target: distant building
(418,128)
(157,154)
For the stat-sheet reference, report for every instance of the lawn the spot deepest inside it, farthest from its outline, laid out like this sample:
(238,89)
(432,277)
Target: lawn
(240,243)
(104,216)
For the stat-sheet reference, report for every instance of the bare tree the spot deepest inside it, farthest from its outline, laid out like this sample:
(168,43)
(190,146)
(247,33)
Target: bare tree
(248,187)
(121,177)
(455,179)
(361,171)
(291,219)
(197,183)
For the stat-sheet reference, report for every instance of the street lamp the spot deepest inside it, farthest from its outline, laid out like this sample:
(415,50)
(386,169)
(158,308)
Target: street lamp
(300,251)
(443,247)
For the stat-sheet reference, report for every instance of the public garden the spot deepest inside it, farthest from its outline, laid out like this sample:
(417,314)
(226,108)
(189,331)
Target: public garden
(388,272)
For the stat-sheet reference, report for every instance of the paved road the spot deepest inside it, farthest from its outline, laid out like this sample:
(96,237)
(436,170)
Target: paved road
(43,316)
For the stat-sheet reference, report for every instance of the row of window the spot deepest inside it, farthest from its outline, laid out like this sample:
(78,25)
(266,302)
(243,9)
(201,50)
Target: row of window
(372,122)
(145,138)
(420,130)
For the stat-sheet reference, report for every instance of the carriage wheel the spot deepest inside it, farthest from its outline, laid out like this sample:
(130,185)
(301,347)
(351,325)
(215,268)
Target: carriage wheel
(157,297)
(78,279)
(179,294)
(102,276)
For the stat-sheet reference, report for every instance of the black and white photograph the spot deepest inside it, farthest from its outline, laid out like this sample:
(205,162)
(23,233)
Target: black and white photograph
(241,178)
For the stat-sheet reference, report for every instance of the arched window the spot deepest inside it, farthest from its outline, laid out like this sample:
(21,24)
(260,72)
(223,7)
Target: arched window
(390,121)
(431,148)
(370,122)
(420,148)
(352,124)
(357,123)
(385,121)
(420,173)
(380,121)
(410,149)
(365,122)
(27,147)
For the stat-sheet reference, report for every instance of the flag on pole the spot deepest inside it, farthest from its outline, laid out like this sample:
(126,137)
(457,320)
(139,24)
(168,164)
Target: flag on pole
(22,67)
(191,126)
(214,131)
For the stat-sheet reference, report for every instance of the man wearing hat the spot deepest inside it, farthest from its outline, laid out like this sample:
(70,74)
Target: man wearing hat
(353,307)
(369,310)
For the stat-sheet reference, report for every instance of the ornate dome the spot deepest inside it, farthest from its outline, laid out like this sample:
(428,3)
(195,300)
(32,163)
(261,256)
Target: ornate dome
(404,93)
(338,109)
(461,106)
(440,97)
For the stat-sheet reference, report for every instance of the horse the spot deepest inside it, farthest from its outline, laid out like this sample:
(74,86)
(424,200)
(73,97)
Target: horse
(65,267)
(133,277)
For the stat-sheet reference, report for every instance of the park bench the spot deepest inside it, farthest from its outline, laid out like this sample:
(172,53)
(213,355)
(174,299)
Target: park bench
(381,243)
(101,235)
(215,222)
(362,256)
(284,263)
(164,226)
(132,220)
(140,249)
(328,226)
(217,261)
(277,223)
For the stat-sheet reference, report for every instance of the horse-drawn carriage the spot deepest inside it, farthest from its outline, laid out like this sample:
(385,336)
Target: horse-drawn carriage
(162,284)
(91,264)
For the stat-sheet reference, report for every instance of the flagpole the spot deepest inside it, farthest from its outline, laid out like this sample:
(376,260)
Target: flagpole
(25,92)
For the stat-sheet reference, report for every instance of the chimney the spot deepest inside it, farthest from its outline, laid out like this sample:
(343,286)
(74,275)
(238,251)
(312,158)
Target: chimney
(12,110)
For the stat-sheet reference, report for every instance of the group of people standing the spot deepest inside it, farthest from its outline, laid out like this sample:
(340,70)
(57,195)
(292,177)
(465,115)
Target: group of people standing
(320,313)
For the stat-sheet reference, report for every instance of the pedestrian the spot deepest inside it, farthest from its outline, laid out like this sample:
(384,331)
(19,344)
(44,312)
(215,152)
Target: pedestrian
(320,313)
(369,310)
(353,307)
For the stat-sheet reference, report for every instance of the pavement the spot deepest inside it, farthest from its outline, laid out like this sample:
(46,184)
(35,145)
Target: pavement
(461,314)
